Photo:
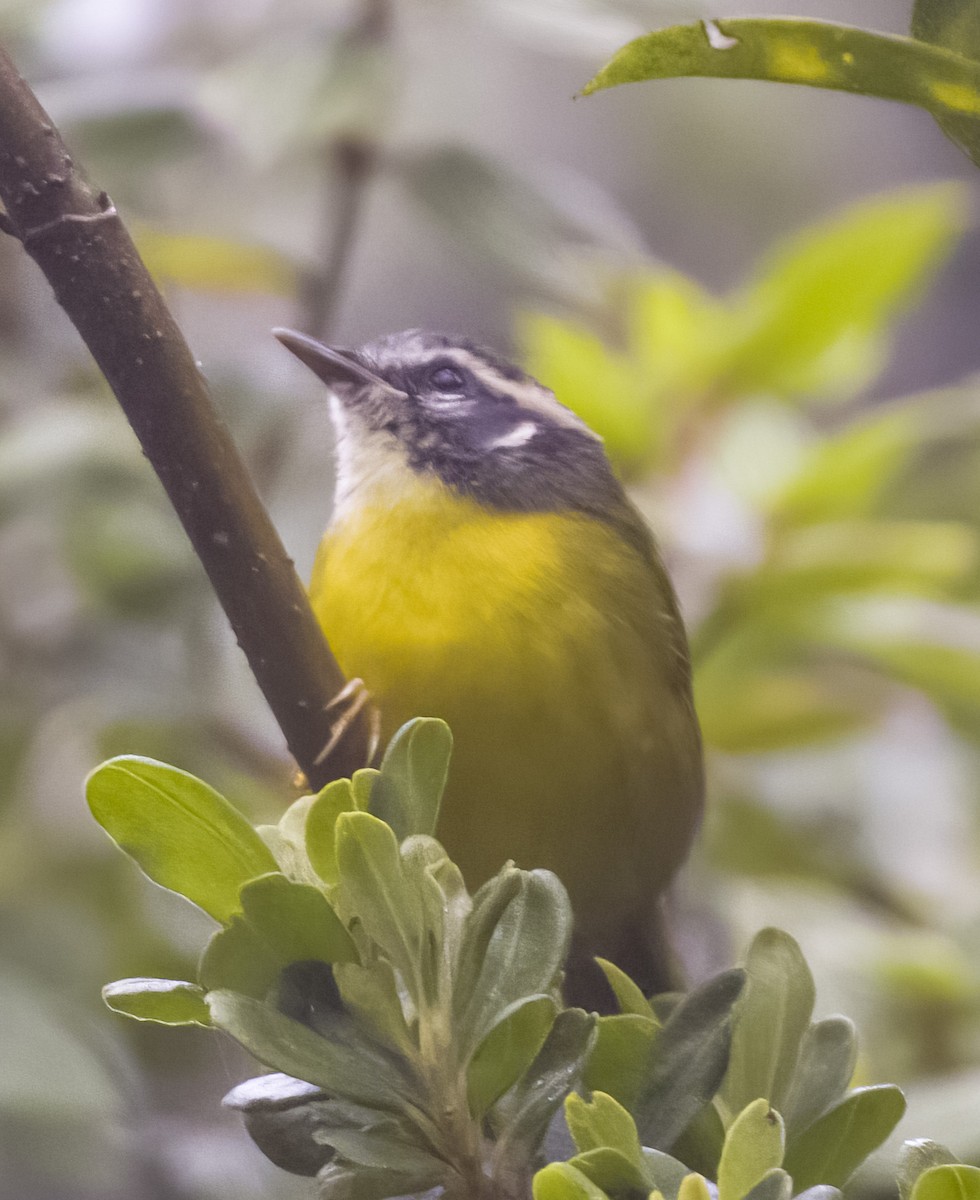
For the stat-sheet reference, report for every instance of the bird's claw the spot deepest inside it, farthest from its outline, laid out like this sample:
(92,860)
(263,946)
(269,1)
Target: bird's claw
(343,710)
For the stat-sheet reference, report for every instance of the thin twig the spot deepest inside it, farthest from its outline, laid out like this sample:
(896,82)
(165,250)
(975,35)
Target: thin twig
(351,164)
(75,236)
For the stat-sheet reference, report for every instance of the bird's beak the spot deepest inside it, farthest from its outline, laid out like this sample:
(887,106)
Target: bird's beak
(331,365)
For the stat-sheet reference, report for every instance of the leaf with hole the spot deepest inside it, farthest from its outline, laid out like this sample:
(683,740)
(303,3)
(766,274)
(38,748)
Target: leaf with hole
(816,53)
(753,1148)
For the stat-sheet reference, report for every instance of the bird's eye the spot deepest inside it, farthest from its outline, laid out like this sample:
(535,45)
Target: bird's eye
(447,380)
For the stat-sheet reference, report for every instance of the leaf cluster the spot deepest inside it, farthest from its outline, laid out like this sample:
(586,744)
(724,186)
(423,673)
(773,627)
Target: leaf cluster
(738,1086)
(424,1023)
(415,1033)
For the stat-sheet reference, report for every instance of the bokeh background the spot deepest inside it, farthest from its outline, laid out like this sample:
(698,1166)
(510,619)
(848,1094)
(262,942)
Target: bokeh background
(764,297)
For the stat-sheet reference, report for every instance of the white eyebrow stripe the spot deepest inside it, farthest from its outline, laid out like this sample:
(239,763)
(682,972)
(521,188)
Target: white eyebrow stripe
(520,435)
(531,396)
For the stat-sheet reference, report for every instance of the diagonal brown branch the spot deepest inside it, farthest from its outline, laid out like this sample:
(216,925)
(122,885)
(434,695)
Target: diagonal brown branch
(76,237)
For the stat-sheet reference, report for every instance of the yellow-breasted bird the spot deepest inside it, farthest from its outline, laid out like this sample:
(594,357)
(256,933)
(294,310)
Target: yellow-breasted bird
(483,565)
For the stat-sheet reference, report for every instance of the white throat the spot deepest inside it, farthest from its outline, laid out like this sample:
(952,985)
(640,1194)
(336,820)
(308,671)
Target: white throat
(371,467)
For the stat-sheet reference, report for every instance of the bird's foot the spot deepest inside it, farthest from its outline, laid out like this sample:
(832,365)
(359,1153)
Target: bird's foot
(343,710)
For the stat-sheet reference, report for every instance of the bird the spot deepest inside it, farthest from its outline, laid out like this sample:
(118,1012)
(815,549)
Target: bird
(483,564)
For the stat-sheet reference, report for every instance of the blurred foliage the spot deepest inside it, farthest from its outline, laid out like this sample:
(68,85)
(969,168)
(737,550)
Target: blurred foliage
(416,1032)
(824,548)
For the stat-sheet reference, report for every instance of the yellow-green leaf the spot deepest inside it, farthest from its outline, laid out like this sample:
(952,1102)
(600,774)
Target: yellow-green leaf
(815,53)
(214,264)
(753,1147)
(182,834)
(166,1001)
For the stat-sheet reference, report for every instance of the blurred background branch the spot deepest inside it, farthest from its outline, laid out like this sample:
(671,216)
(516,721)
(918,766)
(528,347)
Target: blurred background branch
(351,159)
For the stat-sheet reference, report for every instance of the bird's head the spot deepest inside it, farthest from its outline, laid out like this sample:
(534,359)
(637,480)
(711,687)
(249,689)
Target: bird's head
(440,406)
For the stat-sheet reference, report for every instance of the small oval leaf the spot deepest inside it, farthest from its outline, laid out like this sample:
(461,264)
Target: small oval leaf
(166,1001)
(832,1149)
(181,832)
(507,1051)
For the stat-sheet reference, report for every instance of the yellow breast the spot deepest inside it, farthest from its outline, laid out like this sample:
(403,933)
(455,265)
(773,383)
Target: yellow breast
(540,638)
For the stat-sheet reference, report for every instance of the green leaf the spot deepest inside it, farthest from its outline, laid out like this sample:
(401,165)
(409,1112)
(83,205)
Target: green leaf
(282,922)
(166,1001)
(321,827)
(373,1139)
(748,705)
(296,920)
(952,1181)
(183,835)
(955,25)
(665,1173)
(694,1187)
(561,1181)
(918,1156)
(628,996)
(816,53)
(610,1170)
(820,560)
(287,841)
(408,791)
(774,1185)
(701,1143)
(832,1149)
(602,1122)
(813,319)
(753,1147)
(690,1060)
(362,786)
(507,1050)
(238,959)
(376,890)
(444,903)
(620,1060)
(845,475)
(522,1117)
(828,1055)
(339,1065)
(771,1019)
(525,941)
(949,675)
(489,905)
(371,994)
(340,1180)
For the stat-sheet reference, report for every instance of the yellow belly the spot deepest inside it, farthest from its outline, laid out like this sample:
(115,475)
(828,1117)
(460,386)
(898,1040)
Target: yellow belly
(539,638)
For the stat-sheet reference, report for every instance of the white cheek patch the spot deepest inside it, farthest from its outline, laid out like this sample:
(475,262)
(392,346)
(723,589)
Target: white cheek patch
(520,435)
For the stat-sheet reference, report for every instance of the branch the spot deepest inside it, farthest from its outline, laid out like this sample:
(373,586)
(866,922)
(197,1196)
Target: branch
(351,161)
(76,237)
(351,164)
